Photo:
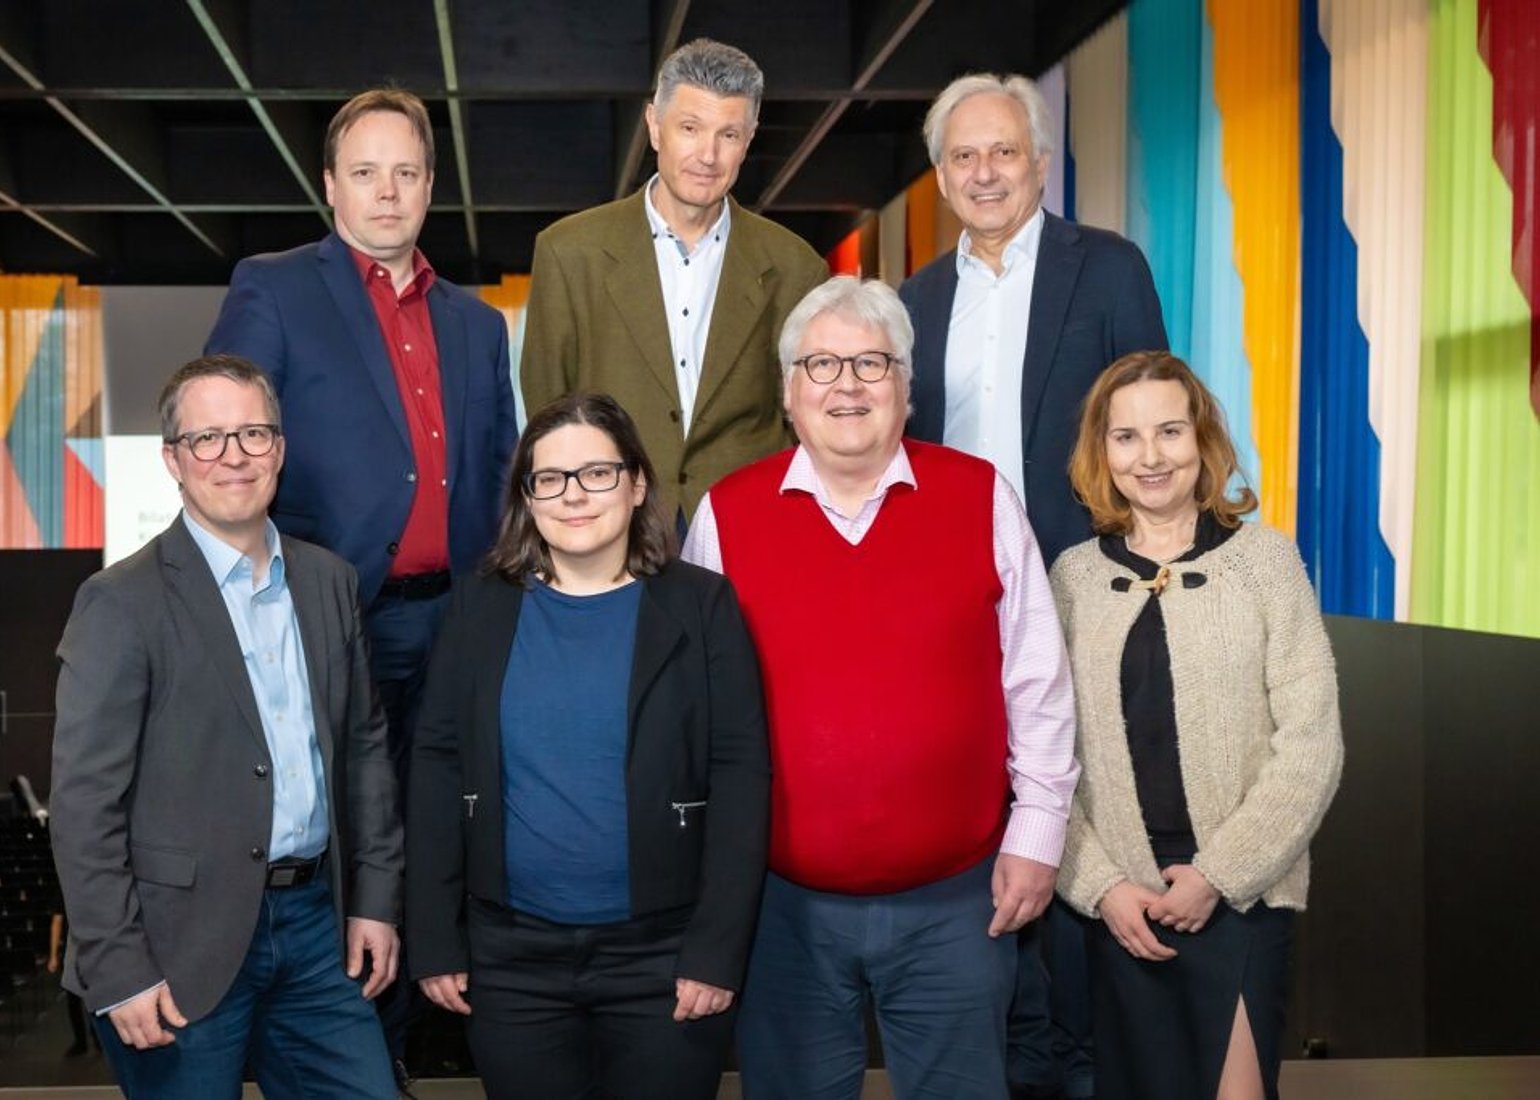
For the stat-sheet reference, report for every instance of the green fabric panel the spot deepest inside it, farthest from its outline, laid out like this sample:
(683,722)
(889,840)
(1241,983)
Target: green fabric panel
(1476,554)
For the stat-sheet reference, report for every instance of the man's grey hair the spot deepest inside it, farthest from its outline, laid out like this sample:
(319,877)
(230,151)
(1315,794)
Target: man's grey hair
(1019,88)
(240,371)
(869,302)
(713,67)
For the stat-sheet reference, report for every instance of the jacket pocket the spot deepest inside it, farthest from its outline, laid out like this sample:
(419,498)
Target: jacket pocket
(166,866)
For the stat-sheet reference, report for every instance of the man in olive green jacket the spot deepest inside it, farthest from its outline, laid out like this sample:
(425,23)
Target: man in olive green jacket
(671,300)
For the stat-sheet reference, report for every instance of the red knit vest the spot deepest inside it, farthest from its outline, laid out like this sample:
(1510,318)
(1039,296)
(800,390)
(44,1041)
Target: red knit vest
(881,665)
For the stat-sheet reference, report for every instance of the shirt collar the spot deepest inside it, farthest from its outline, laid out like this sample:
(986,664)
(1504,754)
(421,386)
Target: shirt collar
(423,275)
(229,564)
(802,476)
(660,227)
(1023,246)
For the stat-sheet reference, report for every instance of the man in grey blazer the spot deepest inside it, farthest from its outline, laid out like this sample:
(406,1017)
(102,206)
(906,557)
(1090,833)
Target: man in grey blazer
(225,817)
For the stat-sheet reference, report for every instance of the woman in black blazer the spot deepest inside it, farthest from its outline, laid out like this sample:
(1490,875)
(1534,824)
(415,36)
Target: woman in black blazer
(588,811)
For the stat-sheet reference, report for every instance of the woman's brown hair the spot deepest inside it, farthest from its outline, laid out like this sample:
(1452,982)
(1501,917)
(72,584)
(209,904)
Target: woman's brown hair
(519,549)
(1091,478)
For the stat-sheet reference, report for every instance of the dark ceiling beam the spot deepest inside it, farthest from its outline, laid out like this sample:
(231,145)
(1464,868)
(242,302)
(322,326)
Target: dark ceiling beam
(224,24)
(887,32)
(446,49)
(9,201)
(119,134)
(629,161)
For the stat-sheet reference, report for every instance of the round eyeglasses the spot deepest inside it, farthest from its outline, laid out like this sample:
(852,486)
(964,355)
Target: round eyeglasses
(596,477)
(208,444)
(825,369)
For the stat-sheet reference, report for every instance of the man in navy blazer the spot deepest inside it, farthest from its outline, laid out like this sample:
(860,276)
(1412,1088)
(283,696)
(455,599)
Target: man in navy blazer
(397,399)
(1066,299)
(1010,330)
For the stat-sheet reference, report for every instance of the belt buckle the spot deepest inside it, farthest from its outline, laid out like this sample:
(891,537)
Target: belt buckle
(280,877)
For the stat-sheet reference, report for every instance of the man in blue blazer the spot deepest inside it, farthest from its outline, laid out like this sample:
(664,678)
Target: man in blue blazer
(1013,326)
(396,393)
(1010,330)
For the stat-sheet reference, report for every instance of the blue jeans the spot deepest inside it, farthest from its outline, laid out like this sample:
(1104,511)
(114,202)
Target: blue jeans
(940,987)
(292,1011)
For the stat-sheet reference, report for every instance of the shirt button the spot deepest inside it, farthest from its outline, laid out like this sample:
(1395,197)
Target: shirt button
(687,311)
(419,391)
(444,481)
(408,347)
(434,434)
(412,476)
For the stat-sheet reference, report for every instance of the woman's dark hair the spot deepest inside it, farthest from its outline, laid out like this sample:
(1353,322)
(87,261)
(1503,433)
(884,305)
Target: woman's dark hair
(519,549)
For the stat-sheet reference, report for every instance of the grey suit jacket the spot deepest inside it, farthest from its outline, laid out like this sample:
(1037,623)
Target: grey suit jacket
(595,321)
(162,797)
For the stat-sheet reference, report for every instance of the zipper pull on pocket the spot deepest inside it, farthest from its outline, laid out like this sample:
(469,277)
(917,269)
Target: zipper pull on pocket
(470,805)
(681,807)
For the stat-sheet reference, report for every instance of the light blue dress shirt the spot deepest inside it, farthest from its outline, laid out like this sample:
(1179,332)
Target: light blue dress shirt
(268,630)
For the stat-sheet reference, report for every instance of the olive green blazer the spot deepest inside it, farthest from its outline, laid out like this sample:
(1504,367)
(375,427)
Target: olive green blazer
(595,322)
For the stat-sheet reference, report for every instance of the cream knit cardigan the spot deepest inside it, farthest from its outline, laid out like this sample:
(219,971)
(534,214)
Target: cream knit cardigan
(1258,732)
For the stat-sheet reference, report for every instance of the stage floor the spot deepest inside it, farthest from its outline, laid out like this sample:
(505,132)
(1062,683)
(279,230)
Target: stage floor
(1347,1079)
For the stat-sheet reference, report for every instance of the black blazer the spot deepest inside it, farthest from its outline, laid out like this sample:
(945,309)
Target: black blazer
(1093,301)
(696,734)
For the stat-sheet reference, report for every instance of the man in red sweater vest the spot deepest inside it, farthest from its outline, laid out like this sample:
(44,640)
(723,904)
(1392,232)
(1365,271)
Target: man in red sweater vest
(921,723)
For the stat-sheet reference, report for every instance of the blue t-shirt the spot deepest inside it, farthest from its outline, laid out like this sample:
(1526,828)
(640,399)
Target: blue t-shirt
(564,754)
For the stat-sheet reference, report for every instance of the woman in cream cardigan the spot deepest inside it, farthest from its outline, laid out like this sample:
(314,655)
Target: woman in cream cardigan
(1209,740)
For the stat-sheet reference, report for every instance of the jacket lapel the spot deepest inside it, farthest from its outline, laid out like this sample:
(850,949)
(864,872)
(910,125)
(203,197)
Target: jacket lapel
(358,319)
(190,580)
(657,635)
(1059,256)
(449,337)
(637,294)
(741,299)
(932,327)
(309,604)
(499,615)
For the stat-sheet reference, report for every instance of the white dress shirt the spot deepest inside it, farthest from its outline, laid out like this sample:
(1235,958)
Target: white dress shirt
(986,345)
(689,278)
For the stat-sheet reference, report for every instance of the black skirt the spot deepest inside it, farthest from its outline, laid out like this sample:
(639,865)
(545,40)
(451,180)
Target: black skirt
(1163,1028)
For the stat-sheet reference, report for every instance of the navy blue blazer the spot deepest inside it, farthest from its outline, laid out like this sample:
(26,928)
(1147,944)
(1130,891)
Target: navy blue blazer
(348,474)
(1093,301)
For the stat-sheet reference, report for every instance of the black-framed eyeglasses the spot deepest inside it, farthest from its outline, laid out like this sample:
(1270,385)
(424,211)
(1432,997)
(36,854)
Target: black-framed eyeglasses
(596,477)
(208,444)
(825,369)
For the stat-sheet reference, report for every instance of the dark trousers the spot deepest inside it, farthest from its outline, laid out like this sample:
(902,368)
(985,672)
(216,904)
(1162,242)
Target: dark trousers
(939,985)
(292,1010)
(563,1011)
(401,635)
(1050,1024)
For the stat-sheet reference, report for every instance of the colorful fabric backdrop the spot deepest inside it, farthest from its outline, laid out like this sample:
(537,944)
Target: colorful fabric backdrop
(1338,199)
(50,413)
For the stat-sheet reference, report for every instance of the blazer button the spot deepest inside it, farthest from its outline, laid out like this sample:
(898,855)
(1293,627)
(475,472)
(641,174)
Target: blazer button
(258,854)
(673,414)
(683,477)
(393,549)
(260,771)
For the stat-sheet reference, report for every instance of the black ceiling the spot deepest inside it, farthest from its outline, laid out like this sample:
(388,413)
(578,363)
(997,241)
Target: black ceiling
(158,141)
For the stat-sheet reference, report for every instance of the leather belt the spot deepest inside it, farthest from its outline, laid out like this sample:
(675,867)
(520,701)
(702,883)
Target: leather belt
(284,874)
(416,586)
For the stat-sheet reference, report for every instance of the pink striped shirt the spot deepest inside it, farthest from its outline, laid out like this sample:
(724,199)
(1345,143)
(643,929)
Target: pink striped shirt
(1039,699)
